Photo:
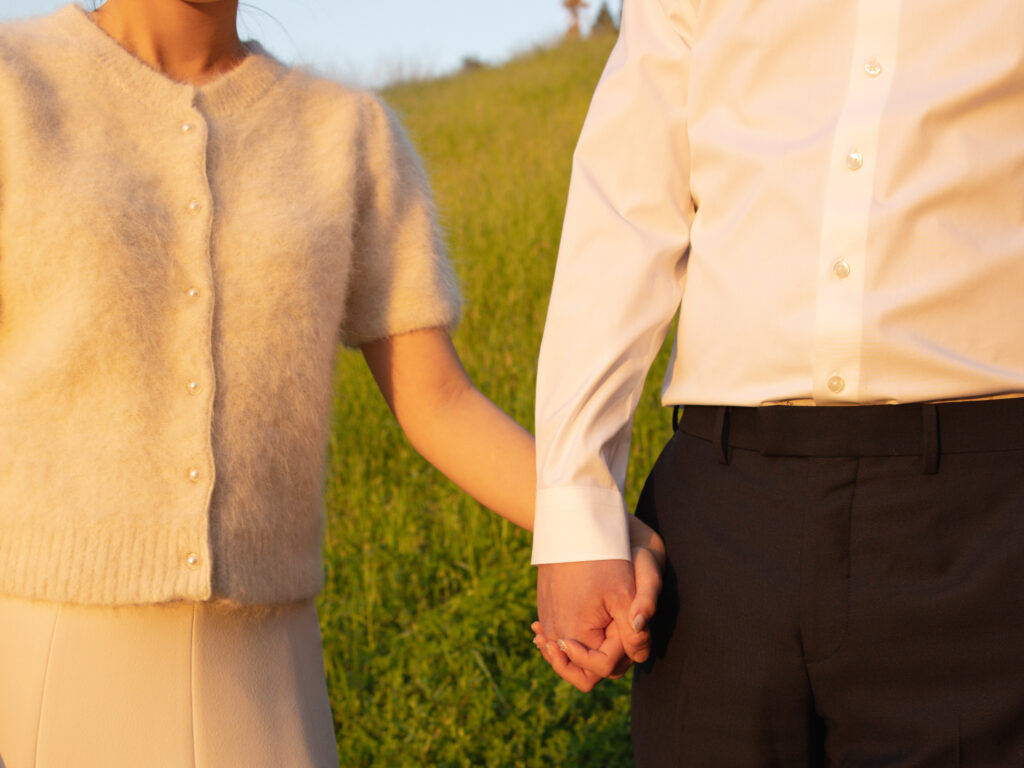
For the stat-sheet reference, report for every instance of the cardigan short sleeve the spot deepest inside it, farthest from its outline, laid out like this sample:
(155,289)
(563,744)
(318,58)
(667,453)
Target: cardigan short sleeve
(401,279)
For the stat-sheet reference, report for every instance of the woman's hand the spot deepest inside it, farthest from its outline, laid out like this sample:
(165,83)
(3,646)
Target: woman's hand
(569,658)
(648,562)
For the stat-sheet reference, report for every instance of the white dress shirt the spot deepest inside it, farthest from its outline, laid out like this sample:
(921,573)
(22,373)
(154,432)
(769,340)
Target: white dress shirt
(831,195)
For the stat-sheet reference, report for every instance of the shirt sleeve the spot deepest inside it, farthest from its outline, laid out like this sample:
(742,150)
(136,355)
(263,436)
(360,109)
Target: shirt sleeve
(400,278)
(618,283)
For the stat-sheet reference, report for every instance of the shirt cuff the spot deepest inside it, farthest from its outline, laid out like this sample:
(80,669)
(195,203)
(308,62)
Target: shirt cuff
(579,523)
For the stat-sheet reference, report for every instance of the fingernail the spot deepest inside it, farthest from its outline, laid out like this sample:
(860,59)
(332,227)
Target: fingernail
(536,641)
(639,622)
(562,646)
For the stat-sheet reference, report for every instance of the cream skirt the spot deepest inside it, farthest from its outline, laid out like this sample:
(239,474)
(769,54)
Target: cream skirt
(180,685)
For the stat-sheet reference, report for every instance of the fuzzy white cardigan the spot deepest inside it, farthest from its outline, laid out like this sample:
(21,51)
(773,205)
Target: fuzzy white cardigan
(177,267)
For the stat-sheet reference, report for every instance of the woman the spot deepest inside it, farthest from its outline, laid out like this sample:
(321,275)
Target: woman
(186,229)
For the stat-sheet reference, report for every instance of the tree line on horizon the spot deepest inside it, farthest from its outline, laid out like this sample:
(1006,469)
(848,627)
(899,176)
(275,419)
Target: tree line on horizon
(603,22)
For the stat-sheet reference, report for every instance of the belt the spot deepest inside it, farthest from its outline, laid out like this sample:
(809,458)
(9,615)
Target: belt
(914,429)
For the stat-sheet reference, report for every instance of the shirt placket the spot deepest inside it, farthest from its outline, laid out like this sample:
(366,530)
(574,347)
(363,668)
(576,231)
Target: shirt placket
(849,190)
(195,368)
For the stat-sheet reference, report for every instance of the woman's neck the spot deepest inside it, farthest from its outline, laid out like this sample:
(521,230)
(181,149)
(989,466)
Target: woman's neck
(192,42)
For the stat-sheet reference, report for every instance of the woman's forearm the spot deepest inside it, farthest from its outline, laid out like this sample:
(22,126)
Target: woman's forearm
(453,425)
(483,451)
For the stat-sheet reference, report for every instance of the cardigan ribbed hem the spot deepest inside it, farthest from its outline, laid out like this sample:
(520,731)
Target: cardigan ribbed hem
(126,563)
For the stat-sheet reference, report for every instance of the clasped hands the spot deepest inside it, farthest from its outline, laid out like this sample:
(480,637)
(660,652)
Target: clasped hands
(594,615)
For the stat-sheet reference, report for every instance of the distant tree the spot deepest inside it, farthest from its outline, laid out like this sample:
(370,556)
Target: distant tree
(574,7)
(604,23)
(472,63)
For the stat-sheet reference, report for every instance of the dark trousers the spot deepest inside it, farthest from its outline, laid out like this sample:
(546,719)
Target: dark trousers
(845,587)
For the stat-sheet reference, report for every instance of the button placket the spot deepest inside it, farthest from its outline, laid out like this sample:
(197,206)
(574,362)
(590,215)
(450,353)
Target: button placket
(192,376)
(196,319)
(848,194)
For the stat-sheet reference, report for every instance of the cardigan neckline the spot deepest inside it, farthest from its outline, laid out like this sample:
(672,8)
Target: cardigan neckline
(231,91)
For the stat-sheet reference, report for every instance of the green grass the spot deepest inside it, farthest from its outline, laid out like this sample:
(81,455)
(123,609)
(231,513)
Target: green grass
(429,597)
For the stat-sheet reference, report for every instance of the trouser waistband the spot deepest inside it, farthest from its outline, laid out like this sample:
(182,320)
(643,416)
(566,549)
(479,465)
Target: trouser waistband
(917,429)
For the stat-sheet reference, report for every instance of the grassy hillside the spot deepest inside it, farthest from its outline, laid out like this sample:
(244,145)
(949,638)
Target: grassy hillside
(429,597)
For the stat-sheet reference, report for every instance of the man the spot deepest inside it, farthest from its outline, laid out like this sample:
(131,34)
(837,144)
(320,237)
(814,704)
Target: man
(831,195)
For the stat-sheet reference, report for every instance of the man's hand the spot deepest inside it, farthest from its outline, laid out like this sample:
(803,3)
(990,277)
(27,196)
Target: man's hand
(594,641)
(577,604)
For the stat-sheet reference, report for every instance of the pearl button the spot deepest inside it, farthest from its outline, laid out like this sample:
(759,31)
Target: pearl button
(192,560)
(872,68)
(841,269)
(193,475)
(193,293)
(836,385)
(194,206)
(187,127)
(193,386)
(854,160)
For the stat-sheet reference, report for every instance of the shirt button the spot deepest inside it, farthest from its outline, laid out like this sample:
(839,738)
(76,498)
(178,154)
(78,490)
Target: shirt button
(193,386)
(854,160)
(192,560)
(194,206)
(193,475)
(872,68)
(836,385)
(193,293)
(187,127)
(841,269)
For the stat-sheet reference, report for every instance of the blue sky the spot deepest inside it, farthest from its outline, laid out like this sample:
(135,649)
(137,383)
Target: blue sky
(374,40)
